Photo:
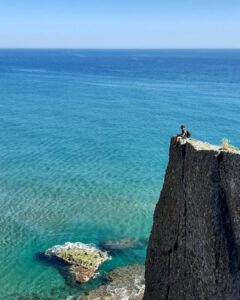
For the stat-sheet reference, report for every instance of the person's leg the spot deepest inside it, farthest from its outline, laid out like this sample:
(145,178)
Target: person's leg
(176,139)
(179,140)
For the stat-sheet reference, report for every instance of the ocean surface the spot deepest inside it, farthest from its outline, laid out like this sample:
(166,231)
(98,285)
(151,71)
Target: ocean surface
(84,146)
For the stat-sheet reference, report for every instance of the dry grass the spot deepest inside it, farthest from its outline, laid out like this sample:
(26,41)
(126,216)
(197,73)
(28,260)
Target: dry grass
(226,145)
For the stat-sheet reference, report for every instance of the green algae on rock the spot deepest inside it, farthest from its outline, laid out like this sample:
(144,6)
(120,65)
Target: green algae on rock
(78,257)
(83,260)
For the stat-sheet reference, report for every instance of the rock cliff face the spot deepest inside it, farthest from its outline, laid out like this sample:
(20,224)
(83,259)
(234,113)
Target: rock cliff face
(194,247)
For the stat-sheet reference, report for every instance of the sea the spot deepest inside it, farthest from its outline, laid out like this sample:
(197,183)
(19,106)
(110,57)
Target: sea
(84,146)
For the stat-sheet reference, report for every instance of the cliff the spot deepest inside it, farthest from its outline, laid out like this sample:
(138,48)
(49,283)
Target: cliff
(194,247)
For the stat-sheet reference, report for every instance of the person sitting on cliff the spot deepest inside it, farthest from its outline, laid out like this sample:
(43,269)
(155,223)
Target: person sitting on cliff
(182,136)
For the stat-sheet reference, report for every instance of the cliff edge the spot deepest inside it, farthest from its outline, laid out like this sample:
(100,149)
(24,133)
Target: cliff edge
(194,247)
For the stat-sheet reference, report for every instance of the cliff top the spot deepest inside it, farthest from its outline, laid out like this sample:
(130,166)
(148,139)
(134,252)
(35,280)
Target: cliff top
(201,146)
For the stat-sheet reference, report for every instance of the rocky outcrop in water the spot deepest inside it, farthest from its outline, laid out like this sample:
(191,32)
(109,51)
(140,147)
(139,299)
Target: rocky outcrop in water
(83,260)
(126,283)
(194,247)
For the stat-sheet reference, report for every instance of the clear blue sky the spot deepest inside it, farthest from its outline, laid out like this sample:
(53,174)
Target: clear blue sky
(120,23)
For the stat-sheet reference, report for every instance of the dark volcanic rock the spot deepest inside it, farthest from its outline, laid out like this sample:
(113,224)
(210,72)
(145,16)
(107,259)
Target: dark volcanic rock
(194,247)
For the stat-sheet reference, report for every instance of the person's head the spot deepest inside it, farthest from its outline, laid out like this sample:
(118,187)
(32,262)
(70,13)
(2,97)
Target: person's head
(182,126)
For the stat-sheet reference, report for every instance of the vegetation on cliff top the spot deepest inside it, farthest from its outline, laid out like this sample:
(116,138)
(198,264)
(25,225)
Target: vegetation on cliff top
(226,145)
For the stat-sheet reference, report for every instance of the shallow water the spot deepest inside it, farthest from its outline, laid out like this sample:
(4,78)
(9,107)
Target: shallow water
(84,145)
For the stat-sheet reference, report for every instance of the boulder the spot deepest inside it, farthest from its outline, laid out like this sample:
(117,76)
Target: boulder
(83,260)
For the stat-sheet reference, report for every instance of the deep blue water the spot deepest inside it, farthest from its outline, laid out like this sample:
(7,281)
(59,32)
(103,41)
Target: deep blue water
(84,145)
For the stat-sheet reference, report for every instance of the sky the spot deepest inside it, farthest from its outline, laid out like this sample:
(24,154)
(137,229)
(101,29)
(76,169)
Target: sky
(120,24)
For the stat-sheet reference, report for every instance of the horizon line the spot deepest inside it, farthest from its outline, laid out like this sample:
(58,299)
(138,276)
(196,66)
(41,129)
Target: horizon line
(115,48)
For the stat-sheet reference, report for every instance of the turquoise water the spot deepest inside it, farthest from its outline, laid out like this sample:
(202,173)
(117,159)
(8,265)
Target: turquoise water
(84,145)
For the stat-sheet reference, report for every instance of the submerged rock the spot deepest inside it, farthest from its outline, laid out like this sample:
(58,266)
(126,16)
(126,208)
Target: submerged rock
(84,260)
(122,244)
(126,283)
